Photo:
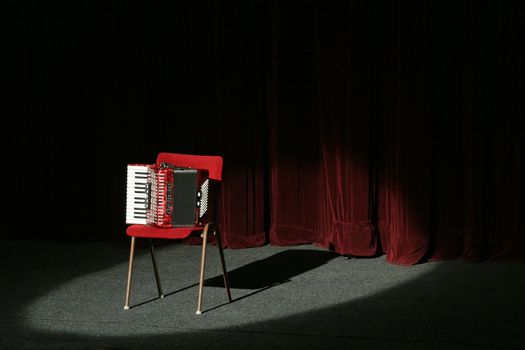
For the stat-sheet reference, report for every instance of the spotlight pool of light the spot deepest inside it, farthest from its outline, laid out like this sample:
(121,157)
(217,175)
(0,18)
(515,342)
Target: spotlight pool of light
(92,303)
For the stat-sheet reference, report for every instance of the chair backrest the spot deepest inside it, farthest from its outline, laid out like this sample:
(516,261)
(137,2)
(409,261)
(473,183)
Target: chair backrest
(211,163)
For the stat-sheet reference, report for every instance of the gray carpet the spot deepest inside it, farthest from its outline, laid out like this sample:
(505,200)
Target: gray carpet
(71,296)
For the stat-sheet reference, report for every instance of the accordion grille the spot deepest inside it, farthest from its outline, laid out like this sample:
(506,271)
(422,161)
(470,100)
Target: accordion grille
(204,198)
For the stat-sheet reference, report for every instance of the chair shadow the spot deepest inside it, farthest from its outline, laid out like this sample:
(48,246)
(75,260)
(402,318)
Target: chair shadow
(263,274)
(143,303)
(242,297)
(273,270)
(267,273)
(165,296)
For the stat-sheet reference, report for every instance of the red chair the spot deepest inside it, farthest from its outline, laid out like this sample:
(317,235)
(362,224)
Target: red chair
(214,166)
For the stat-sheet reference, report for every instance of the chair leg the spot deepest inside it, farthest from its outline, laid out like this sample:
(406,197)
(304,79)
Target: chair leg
(155,268)
(203,259)
(224,272)
(130,268)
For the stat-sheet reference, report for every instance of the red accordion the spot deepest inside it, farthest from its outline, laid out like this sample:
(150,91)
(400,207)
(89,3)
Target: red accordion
(166,196)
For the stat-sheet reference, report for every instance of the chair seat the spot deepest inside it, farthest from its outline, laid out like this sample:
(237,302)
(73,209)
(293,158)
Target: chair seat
(149,231)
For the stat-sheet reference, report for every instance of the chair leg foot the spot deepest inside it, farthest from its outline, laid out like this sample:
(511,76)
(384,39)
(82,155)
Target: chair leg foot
(126,307)
(198,312)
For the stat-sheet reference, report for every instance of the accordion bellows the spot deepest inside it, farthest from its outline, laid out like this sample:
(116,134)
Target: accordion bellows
(166,196)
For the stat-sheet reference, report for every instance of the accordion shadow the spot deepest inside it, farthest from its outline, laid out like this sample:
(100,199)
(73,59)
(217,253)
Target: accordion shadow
(273,270)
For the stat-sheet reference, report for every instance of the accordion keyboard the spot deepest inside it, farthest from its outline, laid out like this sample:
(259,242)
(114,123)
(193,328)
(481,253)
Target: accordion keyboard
(137,194)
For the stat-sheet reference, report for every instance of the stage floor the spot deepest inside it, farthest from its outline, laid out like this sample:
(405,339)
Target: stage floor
(71,296)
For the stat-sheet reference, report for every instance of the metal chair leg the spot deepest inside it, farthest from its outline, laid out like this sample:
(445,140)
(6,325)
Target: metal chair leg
(204,236)
(130,268)
(155,268)
(224,272)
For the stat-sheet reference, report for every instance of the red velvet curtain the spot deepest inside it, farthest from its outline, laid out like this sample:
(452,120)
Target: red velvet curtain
(395,129)
(363,127)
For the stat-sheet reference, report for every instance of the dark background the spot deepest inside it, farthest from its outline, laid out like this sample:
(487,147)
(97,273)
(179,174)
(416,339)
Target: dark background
(362,126)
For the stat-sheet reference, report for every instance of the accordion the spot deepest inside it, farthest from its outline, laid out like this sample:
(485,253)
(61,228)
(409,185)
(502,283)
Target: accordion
(166,196)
